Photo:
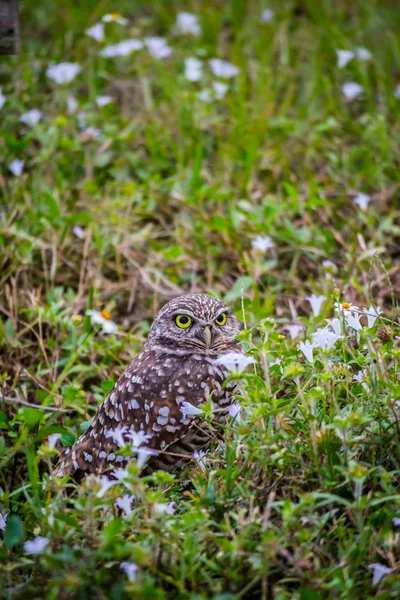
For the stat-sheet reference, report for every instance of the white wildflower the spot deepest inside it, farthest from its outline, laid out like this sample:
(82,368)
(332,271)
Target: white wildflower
(3,521)
(267,15)
(396,521)
(316,303)
(91,133)
(143,455)
(120,474)
(353,321)
(36,546)
(378,571)
(105,485)
(162,508)
(344,308)
(188,23)
(344,57)
(220,89)
(123,48)
(16,167)
(64,72)
(396,92)
(130,569)
(193,69)
(294,330)
(223,69)
(329,265)
(72,104)
(205,95)
(363,54)
(234,361)
(234,410)
(78,232)
(117,435)
(125,503)
(200,458)
(103,100)
(2,98)
(96,32)
(138,438)
(188,410)
(360,378)
(324,338)
(307,349)
(351,90)
(362,200)
(372,314)
(158,47)
(114,18)
(32,117)
(336,325)
(53,439)
(262,243)
(104,319)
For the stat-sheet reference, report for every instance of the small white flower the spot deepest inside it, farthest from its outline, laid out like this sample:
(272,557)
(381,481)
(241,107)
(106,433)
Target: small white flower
(91,132)
(188,23)
(103,100)
(130,570)
(125,504)
(205,95)
(307,349)
(234,361)
(362,200)
(16,167)
(188,410)
(372,315)
(164,508)
(363,54)
(96,32)
(50,517)
(81,116)
(396,92)
(316,303)
(123,48)
(117,435)
(102,318)
(200,458)
(294,330)
(360,378)
(344,57)
(262,243)
(2,98)
(223,69)
(120,474)
(351,90)
(114,18)
(336,325)
(32,117)
(353,321)
(193,69)
(329,265)
(138,438)
(267,15)
(344,308)
(396,521)
(53,439)
(36,546)
(142,455)
(158,47)
(64,72)
(3,521)
(78,232)
(234,410)
(378,571)
(324,338)
(105,485)
(72,104)
(220,89)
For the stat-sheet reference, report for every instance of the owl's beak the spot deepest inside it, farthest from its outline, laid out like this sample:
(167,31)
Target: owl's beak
(207,335)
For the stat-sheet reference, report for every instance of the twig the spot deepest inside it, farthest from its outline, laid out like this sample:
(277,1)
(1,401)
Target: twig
(48,408)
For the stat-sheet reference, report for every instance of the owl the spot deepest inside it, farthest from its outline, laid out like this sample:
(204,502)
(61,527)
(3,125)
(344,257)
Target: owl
(154,405)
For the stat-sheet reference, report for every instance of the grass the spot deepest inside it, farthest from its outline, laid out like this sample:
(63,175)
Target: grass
(168,196)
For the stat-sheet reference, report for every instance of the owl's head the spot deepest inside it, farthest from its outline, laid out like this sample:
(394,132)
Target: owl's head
(195,321)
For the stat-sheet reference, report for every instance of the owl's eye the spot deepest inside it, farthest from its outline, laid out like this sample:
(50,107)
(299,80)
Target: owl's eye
(221,319)
(183,321)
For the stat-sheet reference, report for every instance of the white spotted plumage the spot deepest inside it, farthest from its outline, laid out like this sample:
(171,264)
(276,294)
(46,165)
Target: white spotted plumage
(176,368)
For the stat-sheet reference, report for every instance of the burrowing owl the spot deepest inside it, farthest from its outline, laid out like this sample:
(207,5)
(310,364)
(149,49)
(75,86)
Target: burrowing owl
(153,407)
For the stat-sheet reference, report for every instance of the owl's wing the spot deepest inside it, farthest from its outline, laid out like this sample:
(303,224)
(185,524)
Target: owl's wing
(142,409)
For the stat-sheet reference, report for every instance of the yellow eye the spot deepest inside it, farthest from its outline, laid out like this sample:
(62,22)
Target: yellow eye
(183,321)
(221,319)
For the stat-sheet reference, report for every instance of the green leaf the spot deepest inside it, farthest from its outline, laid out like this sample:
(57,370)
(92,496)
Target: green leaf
(107,385)
(308,594)
(243,283)
(86,424)
(14,532)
